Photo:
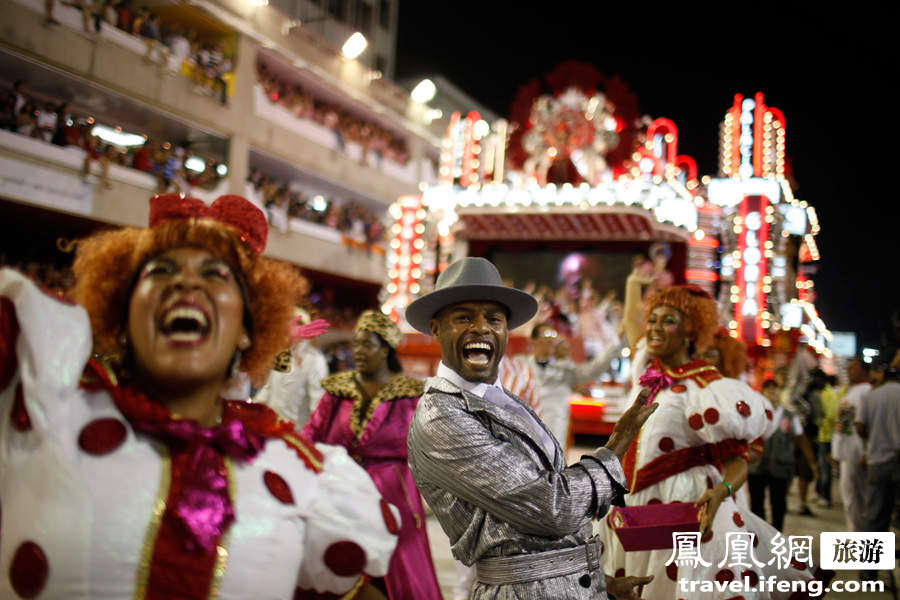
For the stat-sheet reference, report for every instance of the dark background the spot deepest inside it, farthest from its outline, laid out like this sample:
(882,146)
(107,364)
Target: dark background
(832,69)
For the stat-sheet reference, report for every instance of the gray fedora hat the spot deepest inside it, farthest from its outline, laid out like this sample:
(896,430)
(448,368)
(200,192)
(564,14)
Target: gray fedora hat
(471,279)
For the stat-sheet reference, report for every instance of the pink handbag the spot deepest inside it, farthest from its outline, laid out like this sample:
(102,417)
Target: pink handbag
(650,526)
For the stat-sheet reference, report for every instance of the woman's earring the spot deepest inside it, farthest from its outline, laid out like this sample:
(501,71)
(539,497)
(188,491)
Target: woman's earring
(235,364)
(244,342)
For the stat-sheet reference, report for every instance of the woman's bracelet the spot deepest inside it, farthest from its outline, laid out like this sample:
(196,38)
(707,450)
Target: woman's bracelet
(728,485)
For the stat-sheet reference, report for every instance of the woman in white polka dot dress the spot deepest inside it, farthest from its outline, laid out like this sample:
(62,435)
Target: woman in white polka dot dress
(127,475)
(694,449)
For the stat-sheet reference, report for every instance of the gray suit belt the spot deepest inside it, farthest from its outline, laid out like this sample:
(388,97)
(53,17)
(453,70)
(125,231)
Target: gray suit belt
(523,568)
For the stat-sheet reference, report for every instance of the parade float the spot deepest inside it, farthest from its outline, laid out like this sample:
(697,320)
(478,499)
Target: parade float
(577,166)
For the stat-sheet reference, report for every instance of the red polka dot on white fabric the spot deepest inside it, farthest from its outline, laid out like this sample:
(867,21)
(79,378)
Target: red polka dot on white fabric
(666,444)
(695,421)
(711,416)
(278,487)
(102,436)
(29,570)
(724,576)
(345,559)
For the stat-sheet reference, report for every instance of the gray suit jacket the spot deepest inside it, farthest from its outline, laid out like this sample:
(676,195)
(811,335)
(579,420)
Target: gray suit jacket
(495,491)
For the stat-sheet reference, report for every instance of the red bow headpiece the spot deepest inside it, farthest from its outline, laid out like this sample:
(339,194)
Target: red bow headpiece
(231,210)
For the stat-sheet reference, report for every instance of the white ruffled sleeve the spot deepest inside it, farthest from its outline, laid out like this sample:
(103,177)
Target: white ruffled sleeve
(350,531)
(729,409)
(46,345)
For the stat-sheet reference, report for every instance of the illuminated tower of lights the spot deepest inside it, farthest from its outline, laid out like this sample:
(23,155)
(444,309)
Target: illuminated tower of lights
(765,231)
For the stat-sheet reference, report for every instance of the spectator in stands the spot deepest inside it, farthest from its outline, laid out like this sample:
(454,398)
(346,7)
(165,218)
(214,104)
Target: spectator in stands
(137,21)
(123,15)
(18,93)
(169,169)
(179,43)
(26,120)
(277,209)
(143,157)
(332,122)
(215,65)
(7,112)
(94,150)
(153,37)
(63,118)
(46,123)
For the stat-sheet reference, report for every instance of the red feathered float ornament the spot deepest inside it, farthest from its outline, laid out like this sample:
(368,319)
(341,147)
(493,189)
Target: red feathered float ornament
(576,125)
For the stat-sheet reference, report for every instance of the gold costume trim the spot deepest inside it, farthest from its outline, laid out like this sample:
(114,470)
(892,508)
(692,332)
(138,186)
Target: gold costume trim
(355,589)
(297,444)
(159,509)
(222,547)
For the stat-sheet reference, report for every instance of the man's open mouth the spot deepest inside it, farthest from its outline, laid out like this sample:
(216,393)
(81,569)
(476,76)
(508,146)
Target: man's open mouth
(478,353)
(185,323)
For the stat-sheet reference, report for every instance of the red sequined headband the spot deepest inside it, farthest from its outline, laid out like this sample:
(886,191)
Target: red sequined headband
(231,210)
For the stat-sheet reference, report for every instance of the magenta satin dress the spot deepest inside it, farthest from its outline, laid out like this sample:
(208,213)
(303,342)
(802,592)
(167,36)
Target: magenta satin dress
(377,440)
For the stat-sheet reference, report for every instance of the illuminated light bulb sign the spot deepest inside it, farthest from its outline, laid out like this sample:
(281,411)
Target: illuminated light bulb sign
(404,257)
(750,291)
(460,150)
(745,142)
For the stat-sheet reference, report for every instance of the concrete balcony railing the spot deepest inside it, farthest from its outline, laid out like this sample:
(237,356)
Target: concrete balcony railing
(108,60)
(36,173)
(115,60)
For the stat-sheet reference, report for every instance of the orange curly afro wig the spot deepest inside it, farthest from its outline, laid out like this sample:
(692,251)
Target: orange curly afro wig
(698,307)
(107,263)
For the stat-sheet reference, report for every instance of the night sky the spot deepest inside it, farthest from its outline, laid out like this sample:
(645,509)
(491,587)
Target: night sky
(833,73)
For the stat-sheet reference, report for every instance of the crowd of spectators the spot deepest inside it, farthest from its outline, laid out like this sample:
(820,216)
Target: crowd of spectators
(355,221)
(51,277)
(54,122)
(371,137)
(206,61)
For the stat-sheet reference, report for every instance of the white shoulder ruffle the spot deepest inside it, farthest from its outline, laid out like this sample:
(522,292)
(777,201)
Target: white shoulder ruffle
(729,409)
(53,345)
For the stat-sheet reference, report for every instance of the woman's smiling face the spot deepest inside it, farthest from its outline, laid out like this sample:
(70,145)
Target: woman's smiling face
(667,334)
(185,318)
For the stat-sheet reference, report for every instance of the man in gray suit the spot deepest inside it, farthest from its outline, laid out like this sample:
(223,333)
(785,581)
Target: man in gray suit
(494,476)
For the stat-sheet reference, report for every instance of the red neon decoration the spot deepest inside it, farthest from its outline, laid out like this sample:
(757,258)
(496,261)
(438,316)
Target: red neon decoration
(700,275)
(686,163)
(667,126)
(749,327)
(707,242)
(758,112)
